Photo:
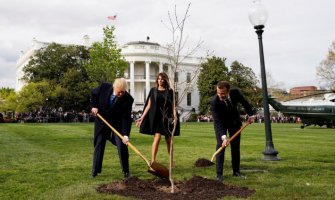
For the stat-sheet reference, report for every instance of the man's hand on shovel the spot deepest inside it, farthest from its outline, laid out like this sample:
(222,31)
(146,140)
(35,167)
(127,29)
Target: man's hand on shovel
(225,142)
(125,140)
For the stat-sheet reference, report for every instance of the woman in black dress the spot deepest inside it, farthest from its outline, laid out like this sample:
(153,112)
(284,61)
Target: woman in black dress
(157,116)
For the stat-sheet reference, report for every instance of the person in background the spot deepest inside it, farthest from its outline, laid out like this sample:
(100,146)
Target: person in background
(227,119)
(157,117)
(114,104)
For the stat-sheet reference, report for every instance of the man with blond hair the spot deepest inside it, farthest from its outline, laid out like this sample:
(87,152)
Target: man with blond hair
(114,104)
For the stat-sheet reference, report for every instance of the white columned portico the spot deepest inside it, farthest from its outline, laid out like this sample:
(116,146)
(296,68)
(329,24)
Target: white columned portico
(132,79)
(147,77)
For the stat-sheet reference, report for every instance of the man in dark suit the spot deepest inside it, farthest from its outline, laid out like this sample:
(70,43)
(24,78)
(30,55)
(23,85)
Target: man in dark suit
(227,118)
(114,104)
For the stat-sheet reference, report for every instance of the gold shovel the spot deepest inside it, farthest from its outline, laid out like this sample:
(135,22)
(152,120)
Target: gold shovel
(229,140)
(154,168)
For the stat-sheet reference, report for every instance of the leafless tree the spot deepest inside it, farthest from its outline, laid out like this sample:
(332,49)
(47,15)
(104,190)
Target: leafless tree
(326,71)
(177,54)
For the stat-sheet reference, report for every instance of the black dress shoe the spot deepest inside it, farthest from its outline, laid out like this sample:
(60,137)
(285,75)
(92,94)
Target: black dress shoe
(126,175)
(238,174)
(94,174)
(219,178)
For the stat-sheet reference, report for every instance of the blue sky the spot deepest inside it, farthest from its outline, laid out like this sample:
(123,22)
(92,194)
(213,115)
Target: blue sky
(296,39)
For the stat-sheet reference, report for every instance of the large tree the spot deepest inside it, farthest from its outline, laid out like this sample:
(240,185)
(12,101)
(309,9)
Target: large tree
(61,67)
(238,75)
(211,72)
(326,70)
(244,78)
(74,91)
(5,92)
(52,62)
(106,62)
(7,99)
(34,96)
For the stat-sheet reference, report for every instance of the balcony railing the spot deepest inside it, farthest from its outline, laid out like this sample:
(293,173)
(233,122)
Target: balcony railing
(152,77)
(139,76)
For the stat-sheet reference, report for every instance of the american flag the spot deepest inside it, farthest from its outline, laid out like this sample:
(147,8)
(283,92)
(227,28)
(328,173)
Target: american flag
(112,17)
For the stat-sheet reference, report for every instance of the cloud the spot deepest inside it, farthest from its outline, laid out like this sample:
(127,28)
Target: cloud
(296,37)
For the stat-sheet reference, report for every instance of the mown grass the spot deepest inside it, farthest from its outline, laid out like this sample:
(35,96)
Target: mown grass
(53,161)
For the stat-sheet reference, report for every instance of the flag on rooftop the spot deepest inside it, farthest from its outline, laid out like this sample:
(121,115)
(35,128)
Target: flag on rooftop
(113,17)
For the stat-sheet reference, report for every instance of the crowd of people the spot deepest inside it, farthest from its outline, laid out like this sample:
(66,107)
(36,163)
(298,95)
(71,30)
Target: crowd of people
(53,116)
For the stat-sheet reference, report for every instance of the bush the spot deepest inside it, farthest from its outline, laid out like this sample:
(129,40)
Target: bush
(193,118)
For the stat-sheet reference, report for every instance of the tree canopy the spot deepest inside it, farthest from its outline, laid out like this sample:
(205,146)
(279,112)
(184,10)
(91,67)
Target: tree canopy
(52,62)
(211,72)
(7,99)
(326,70)
(239,76)
(60,69)
(106,62)
(244,78)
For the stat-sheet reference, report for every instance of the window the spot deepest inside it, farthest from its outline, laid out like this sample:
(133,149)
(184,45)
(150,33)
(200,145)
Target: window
(189,98)
(166,68)
(188,78)
(176,77)
(176,97)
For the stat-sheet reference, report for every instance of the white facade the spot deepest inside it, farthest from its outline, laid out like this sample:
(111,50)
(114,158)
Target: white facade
(23,61)
(145,61)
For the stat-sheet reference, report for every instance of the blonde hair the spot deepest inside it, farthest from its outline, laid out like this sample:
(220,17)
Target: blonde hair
(120,83)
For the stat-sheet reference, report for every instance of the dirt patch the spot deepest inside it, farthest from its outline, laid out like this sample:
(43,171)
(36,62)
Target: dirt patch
(203,162)
(194,188)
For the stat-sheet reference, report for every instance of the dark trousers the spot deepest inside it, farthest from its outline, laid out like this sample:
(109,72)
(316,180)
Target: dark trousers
(235,152)
(99,149)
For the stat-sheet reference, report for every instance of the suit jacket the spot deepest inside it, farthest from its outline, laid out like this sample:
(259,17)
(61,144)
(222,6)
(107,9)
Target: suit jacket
(225,116)
(118,115)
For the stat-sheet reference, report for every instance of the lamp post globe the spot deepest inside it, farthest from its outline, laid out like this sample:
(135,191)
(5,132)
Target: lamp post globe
(258,16)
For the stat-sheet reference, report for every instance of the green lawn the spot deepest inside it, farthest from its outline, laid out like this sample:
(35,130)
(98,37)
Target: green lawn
(53,161)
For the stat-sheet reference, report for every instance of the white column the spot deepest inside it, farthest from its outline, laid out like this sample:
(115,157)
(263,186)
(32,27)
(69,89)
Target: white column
(170,71)
(160,67)
(132,79)
(147,77)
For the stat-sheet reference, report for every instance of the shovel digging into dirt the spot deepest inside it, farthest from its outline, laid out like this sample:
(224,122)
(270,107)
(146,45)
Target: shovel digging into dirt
(154,168)
(202,162)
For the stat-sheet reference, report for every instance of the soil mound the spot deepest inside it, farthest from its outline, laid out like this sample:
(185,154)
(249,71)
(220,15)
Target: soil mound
(202,162)
(194,188)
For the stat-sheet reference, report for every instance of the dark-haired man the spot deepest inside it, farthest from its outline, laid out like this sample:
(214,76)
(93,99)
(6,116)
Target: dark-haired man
(227,119)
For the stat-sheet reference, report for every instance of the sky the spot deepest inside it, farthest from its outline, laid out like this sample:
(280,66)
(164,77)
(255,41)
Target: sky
(296,36)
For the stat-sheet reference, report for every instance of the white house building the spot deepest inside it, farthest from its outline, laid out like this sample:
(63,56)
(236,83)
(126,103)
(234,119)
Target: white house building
(145,61)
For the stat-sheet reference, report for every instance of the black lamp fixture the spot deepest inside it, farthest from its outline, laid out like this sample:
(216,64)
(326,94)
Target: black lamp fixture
(258,16)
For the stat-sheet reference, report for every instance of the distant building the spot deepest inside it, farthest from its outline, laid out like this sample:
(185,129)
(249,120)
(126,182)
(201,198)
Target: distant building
(145,61)
(303,91)
(24,60)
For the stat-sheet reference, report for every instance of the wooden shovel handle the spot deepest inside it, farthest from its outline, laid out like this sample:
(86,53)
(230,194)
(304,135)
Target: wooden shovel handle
(129,144)
(229,140)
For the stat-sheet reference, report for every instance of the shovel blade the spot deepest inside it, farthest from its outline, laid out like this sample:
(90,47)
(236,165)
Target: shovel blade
(158,170)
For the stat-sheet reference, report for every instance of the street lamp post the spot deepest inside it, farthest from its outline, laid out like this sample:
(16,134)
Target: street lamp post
(258,16)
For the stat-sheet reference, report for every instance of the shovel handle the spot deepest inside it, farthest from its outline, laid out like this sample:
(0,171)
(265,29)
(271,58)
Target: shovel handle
(128,143)
(229,140)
